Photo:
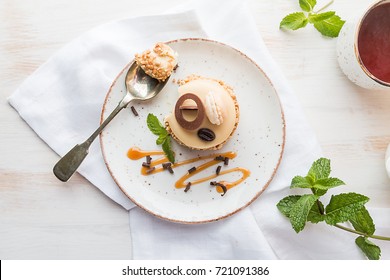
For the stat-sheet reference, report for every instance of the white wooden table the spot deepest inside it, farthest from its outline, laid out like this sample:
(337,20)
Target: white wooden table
(42,218)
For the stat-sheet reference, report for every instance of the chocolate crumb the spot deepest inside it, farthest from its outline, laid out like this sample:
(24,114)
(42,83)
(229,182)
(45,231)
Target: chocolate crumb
(150,170)
(226,161)
(134,111)
(148,159)
(224,188)
(192,169)
(218,169)
(166,165)
(213,183)
(145,164)
(221,158)
(188,186)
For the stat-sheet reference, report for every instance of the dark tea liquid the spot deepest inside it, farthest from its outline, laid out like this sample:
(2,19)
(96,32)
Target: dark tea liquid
(374,42)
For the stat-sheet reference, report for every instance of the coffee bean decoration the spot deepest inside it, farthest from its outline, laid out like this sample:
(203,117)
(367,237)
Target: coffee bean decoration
(190,125)
(206,134)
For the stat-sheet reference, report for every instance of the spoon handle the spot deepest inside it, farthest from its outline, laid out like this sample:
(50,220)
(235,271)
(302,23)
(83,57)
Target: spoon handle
(69,163)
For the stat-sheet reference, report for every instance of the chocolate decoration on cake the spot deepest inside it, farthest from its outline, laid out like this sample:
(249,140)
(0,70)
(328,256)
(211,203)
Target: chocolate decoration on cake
(189,125)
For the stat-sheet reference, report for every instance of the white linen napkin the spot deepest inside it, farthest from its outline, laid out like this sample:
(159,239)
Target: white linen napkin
(84,70)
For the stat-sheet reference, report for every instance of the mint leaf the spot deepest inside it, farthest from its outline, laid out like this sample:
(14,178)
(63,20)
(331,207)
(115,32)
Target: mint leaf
(372,251)
(155,126)
(307,5)
(319,192)
(166,146)
(327,183)
(161,139)
(163,136)
(317,178)
(315,215)
(313,18)
(287,203)
(343,207)
(300,210)
(330,27)
(300,182)
(294,21)
(363,222)
(320,169)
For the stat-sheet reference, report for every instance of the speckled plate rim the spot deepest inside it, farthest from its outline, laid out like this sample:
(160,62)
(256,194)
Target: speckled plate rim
(239,208)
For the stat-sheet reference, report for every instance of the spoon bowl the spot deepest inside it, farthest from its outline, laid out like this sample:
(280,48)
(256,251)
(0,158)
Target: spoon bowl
(139,86)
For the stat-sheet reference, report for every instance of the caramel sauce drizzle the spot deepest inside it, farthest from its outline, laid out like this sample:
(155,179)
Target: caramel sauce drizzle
(136,153)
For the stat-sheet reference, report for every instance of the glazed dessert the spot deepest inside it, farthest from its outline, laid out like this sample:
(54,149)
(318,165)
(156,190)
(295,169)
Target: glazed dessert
(204,117)
(158,62)
(206,114)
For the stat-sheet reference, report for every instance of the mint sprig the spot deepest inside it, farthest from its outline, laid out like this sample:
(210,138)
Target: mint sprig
(164,139)
(327,23)
(344,207)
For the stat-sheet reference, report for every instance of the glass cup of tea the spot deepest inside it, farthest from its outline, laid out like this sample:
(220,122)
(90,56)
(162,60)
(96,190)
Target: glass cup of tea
(363,47)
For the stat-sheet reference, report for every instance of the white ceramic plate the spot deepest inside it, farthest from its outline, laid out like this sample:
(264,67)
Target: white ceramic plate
(258,140)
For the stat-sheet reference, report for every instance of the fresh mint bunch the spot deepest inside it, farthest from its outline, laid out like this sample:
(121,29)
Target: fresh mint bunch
(164,139)
(344,207)
(327,23)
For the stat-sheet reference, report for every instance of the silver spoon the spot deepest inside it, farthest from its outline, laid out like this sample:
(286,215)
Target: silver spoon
(139,86)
